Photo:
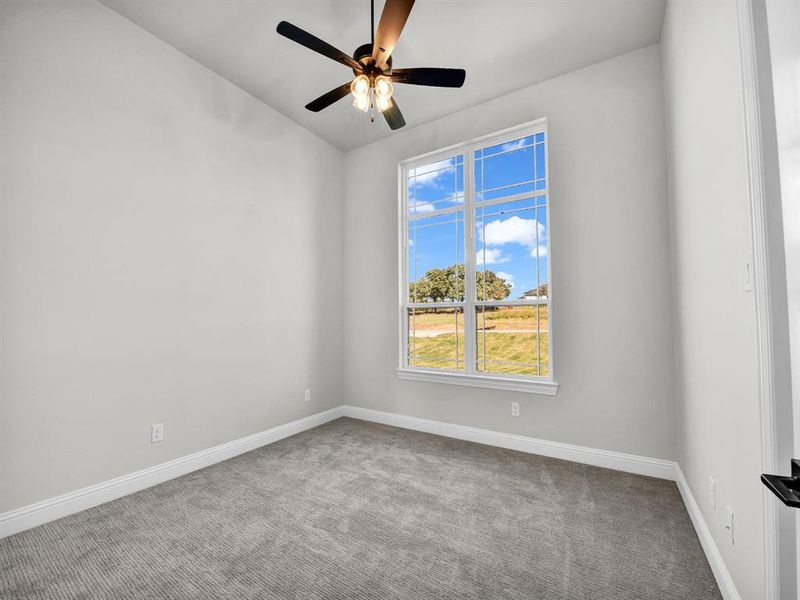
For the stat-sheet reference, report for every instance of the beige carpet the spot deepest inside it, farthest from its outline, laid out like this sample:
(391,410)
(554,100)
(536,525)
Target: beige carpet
(358,510)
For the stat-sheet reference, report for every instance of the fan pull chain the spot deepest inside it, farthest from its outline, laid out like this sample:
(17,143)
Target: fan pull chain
(371,106)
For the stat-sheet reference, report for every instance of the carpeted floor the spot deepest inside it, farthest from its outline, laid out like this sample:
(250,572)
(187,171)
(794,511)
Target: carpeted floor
(358,510)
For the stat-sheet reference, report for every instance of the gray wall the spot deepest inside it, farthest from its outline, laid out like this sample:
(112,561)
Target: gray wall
(610,260)
(715,336)
(170,249)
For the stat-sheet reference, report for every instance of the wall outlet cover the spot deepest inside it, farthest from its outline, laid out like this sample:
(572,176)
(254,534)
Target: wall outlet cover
(157,433)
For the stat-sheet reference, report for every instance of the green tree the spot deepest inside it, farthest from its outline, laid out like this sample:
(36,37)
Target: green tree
(447,285)
(492,287)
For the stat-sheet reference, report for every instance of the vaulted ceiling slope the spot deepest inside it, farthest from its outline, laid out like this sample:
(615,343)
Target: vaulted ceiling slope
(504,45)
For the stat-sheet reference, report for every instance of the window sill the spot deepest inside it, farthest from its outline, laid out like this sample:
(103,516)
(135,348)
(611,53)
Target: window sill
(514,384)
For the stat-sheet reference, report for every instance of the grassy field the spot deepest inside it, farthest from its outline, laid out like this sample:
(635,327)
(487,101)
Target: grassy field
(508,340)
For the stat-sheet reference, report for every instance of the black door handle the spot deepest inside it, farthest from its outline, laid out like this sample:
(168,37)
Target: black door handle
(785,488)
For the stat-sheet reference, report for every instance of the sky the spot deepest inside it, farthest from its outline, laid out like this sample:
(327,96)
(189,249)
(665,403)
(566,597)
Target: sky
(511,237)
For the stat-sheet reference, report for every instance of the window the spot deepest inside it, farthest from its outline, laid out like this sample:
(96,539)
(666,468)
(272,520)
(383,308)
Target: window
(475,266)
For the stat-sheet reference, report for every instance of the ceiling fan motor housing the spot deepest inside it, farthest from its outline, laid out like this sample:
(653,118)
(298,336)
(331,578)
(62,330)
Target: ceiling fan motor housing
(363,55)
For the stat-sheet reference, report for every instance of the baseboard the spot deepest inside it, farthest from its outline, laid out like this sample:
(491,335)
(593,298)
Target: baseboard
(721,573)
(55,508)
(33,515)
(641,465)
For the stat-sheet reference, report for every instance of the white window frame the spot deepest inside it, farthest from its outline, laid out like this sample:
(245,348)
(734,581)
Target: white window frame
(469,376)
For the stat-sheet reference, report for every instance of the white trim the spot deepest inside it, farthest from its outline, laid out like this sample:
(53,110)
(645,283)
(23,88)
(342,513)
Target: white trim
(539,301)
(445,152)
(514,384)
(470,267)
(532,195)
(402,259)
(630,463)
(761,287)
(61,506)
(721,573)
(450,210)
(33,515)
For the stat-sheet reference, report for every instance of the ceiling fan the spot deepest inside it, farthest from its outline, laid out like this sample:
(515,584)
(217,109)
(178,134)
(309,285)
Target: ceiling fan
(371,63)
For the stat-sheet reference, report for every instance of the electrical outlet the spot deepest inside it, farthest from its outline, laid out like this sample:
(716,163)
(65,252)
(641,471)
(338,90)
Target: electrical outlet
(712,493)
(515,409)
(729,525)
(307,396)
(157,433)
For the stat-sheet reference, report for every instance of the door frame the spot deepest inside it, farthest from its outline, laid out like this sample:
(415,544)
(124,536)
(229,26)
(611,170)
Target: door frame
(778,410)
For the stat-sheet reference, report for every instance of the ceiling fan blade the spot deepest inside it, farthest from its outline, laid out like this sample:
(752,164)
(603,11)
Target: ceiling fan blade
(393,116)
(326,100)
(312,42)
(393,19)
(430,76)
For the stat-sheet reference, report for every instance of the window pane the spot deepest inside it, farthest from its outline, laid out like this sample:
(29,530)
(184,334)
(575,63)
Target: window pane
(542,274)
(512,190)
(512,340)
(511,244)
(540,162)
(506,146)
(436,186)
(436,338)
(505,169)
(436,258)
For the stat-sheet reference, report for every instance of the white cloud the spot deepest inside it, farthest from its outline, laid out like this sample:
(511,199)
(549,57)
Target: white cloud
(515,145)
(542,251)
(491,256)
(514,230)
(427,175)
(422,207)
(507,276)
(428,179)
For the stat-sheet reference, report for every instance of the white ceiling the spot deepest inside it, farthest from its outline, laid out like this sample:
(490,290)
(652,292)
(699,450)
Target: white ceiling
(504,45)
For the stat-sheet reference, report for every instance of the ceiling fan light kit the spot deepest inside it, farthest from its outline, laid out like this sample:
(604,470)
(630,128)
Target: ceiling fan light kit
(372,93)
(373,85)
